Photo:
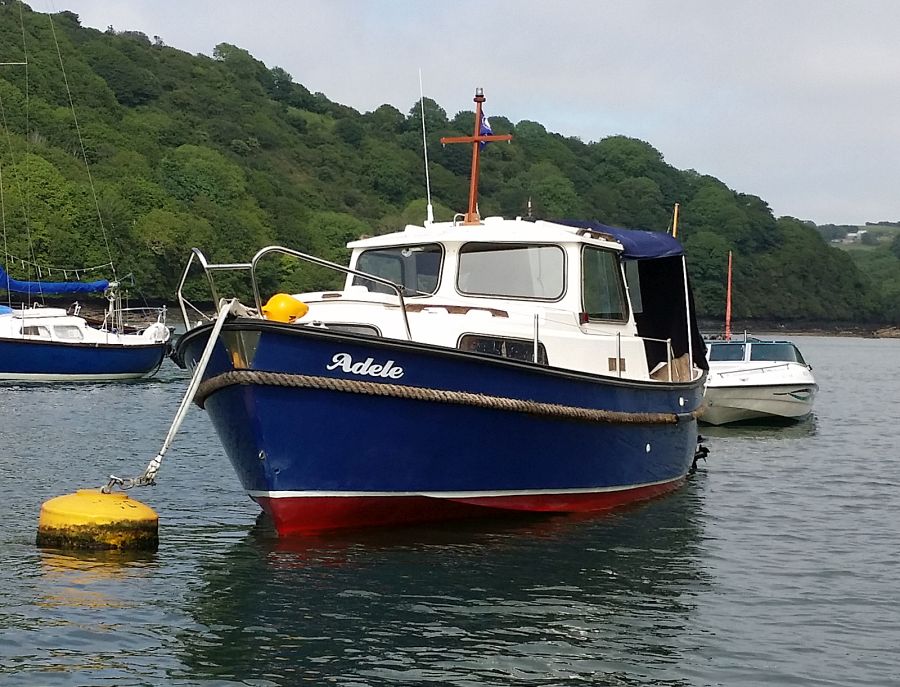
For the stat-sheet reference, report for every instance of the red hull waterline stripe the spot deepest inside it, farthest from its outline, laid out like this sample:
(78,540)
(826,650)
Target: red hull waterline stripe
(296,512)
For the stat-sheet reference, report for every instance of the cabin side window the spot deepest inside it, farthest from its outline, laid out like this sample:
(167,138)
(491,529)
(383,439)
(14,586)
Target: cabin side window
(603,293)
(68,331)
(417,269)
(34,331)
(352,328)
(517,349)
(511,271)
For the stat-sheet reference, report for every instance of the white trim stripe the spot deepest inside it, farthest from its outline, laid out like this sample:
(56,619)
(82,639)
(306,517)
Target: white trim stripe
(99,377)
(452,494)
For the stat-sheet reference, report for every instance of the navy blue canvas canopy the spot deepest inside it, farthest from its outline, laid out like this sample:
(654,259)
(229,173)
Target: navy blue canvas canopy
(638,244)
(50,288)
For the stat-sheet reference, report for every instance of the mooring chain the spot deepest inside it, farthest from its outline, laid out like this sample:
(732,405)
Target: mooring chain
(234,377)
(148,479)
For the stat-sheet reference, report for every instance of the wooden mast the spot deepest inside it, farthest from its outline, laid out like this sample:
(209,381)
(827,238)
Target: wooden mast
(477,139)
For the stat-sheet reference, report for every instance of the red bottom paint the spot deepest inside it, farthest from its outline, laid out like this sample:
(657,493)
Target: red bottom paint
(313,514)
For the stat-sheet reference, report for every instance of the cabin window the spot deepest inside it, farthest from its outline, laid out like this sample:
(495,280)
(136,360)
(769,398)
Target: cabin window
(68,331)
(517,349)
(633,280)
(726,351)
(780,351)
(35,331)
(512,270)
(603,292)
(416,269)
(366,329)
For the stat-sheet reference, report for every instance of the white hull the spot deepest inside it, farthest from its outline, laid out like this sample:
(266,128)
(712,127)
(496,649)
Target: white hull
(723,405)
(738,391)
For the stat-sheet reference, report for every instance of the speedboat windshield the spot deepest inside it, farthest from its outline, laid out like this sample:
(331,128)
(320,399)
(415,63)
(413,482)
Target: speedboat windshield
(726,351)
(781,351)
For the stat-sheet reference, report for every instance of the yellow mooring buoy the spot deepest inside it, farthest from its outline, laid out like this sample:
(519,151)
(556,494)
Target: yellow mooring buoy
(92,519)
(106,519)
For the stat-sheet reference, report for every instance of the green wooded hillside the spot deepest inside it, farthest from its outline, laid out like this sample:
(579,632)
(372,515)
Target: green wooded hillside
(228,154)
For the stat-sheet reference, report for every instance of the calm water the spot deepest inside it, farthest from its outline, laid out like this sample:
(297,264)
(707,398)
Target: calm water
(777,564)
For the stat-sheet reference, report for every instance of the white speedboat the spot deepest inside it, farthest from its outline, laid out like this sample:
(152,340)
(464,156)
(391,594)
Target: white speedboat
(756,379)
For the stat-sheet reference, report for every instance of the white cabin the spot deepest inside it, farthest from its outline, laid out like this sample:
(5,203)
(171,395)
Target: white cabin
(499,286)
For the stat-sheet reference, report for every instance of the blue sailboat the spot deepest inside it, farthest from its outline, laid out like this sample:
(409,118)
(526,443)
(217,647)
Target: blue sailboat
(52,344)
(40,344)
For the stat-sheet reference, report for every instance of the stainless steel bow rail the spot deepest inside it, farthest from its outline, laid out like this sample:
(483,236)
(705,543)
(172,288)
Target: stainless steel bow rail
(210,268)
(226,308)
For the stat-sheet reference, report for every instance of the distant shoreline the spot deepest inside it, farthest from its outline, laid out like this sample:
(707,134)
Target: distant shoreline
(771,328)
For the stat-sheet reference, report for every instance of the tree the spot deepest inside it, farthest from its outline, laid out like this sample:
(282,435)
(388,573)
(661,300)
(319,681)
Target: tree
(349,131)
(191,171)
(435,116)
(707,257)
(895,246)
(553,195)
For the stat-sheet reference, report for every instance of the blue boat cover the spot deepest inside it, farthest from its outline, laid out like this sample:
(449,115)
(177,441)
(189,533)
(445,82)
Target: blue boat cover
(638,244)
(50,288)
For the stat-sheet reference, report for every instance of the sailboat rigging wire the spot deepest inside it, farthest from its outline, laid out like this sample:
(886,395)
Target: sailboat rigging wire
(3,222)
(81,143)
(429,210)
(12,153)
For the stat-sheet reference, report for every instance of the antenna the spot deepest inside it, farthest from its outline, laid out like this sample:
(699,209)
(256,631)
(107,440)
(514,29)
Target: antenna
(429,211)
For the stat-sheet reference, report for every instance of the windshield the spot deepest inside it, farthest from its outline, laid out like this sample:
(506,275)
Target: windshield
(726,351)
(511,270)
(415,268)
(776,351)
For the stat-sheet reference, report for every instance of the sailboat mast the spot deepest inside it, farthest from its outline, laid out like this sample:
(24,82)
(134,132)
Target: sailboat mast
(728,302)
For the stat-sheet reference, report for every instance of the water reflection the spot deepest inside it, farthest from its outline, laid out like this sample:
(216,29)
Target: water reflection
(562,599)
(76,579)
(771,430)
(93,565)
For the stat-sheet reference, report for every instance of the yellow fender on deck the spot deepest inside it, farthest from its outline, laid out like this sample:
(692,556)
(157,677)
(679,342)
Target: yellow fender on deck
(283,307)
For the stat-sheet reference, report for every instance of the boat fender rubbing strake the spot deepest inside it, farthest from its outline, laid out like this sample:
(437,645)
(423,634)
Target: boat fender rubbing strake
(235,377)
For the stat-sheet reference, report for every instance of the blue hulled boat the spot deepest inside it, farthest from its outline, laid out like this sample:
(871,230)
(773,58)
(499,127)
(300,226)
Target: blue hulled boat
(465,367)
(39,344)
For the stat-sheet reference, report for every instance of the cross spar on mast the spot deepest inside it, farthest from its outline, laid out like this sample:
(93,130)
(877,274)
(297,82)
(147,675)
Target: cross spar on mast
(476,139)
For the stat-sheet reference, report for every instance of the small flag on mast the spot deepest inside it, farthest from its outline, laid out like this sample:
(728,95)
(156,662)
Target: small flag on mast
(484,130)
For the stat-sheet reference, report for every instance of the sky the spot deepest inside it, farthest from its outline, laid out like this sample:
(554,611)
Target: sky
(794,101)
